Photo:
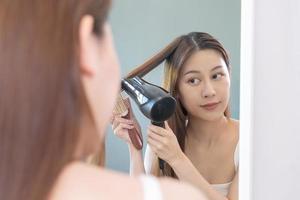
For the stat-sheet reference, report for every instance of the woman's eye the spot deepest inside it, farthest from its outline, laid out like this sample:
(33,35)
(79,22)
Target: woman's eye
(194,81)
(217,76)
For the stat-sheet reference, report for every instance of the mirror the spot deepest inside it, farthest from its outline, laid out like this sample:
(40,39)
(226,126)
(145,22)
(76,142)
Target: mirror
(141,28)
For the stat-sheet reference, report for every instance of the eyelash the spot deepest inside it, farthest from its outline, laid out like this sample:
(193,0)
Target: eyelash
(221,75)
(190,80)
(213,77)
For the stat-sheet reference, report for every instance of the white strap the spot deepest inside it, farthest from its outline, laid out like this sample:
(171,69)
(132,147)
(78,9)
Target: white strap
(151,188)
(236,156)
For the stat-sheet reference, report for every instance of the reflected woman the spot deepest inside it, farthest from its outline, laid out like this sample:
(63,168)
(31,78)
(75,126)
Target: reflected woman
(200,141)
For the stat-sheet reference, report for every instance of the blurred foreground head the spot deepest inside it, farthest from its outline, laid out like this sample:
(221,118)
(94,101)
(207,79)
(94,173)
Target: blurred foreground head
(58,75)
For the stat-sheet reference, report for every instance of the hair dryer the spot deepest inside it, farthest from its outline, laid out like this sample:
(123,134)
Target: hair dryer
(153,101)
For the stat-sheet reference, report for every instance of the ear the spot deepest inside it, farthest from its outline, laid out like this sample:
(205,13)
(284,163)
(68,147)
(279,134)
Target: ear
(86,40)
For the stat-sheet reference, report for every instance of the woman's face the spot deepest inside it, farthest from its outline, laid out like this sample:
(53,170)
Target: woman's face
(204,85)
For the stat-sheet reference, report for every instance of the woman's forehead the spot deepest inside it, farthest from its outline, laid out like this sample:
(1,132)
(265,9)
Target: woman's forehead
(204,61)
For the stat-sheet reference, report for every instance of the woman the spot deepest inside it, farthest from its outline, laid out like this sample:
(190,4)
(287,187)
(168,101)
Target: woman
(199,142)
(56,62)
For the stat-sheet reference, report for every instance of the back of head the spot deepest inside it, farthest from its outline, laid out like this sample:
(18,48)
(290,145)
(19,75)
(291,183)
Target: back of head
(41,101)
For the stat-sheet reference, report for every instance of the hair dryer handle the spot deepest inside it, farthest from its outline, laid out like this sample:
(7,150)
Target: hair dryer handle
(160,124)
(161,162)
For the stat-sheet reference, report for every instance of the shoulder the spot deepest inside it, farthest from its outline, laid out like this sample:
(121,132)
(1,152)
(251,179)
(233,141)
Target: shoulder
(176,190)
(79,181)
(235,124)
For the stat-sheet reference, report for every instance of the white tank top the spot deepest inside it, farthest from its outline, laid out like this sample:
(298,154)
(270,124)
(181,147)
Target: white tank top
(223,188)
(151,188)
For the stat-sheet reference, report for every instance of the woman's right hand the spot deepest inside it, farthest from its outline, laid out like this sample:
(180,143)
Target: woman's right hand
(121,126)
(124,125)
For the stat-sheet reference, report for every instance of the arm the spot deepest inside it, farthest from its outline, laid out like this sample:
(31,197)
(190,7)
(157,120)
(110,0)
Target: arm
(151,162)
(165,145)
(121,127)
(136,161)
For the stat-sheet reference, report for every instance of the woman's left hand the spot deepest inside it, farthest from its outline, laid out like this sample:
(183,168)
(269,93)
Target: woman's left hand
(164,143)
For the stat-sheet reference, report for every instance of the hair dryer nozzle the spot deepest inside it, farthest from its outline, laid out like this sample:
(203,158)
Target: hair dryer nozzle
(153,101)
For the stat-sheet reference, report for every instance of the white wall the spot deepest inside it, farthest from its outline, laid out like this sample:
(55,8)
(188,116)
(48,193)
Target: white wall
(275,99)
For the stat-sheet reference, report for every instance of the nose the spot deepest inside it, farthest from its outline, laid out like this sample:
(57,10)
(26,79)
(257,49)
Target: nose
(208,90)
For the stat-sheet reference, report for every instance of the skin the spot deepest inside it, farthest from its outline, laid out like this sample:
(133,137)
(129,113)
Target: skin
(78,181)
(211,137)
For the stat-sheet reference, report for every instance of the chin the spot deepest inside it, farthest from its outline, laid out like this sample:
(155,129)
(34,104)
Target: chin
(210,116)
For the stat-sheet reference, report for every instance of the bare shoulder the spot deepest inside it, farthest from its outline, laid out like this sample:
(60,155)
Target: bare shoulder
(235,122)
(236,127)
(175,190)
(79,181)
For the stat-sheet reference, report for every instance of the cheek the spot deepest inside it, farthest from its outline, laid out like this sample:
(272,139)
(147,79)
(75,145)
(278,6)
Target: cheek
(110,86)
(187,98)
(111,62)
(224,90)
(111,72)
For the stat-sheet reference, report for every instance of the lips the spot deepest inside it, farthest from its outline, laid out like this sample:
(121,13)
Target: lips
(210,106)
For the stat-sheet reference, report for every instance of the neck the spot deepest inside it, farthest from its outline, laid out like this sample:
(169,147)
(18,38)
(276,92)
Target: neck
(89,142)
(206,131)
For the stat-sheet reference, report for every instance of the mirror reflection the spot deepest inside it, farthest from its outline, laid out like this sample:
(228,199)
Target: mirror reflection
(192,51)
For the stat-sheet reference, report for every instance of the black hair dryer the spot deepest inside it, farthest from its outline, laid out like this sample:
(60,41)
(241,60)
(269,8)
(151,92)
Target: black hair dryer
(153,101)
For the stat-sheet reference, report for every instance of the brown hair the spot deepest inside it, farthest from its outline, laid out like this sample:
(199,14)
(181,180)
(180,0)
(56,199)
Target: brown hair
(41,101)
(175,55)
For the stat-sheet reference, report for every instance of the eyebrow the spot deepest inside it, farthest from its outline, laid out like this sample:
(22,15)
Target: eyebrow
(198,72)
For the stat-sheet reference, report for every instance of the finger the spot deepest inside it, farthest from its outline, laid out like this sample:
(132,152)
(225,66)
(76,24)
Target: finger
(127,103)
(113,117)
(157,129)
(122,127)
(120,120)
(155,146)
(121,132)
(124,121)
(167,125)
(154,136)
